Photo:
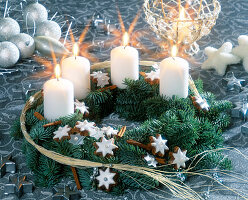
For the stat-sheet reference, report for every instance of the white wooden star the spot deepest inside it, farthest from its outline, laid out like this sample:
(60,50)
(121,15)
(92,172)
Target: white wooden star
(151,161)
(81,107)
(218,59)
(96,133)
(242,50)
(159,144)
(180,158)
(106,147)
(61,132)
(102,78)
(85,125)
(106,179)
(109,131)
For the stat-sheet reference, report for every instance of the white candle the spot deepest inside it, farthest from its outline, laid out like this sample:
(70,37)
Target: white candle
(174,75)
(124,63)
(58,97)
(77,70)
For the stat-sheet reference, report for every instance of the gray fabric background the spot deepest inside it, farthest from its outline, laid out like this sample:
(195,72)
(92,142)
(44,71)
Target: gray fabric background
(232,22)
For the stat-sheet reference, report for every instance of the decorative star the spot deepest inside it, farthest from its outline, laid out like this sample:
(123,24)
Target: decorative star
(106,179)
(105,147)
(179,158)
(62,132)
(233,83)
(81,107)
(18,186)
(158,144)
(242,50)
(151,161)
(76,139)
(85,125)
(97,133)
(7,166)
(101,78)
(109,131)
(65,194)
(153,75)
(218,59)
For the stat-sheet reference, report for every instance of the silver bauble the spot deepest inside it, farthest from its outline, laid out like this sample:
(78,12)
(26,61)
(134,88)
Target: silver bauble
(9,54)
(49,28)
(35,13)
(8,28)
(46,45)
(25,44)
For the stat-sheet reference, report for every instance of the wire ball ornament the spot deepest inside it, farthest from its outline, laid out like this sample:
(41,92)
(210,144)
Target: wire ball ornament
(182,22)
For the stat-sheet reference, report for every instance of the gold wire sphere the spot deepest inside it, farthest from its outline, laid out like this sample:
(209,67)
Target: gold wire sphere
(182,22)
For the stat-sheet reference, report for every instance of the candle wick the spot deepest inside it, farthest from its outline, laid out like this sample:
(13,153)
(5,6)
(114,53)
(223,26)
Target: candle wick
(75,57)
(125,46)
(57,78)
(173,58)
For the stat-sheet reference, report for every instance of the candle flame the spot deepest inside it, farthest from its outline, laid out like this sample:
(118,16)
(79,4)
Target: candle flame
(57,71)
(125,39)
(75,49)
(174,51)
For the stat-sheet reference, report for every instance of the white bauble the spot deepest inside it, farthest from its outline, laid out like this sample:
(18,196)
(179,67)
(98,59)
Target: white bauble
(35,13)
(25,44)
(49,29)
(8,28)
(9,54)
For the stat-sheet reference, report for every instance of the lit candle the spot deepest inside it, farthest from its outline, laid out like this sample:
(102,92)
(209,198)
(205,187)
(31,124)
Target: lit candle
(58,97)
(174,75)
(124,63)
(77,70)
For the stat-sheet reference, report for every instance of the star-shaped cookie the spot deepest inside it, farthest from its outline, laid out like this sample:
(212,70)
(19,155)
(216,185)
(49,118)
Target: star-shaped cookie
(61,133)
(81,107)
(242,50)
(178,158)
(158,145)
(109,131)
(106,179)
(219,59)
(105,147)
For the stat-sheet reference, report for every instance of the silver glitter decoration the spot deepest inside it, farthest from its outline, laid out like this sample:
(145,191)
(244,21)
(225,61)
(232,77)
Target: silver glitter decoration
(49,29)
(45,45)
(202,103)
(25,44)
(8,27)
(77,139)
(65,194)
(18,186)
(233,83)
(9,54)
(7,166)
(34,14)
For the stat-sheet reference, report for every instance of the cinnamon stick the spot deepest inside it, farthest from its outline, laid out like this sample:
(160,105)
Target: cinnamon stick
(143,74)
(122,131)
(112,87)
(52,124)
(74,172)
(161,161)
(143,146)
(39,116)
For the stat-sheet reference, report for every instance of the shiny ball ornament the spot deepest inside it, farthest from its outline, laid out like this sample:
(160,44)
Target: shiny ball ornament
(8,28)
(35,13)
(49,29)
(25,44)
(9,54)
